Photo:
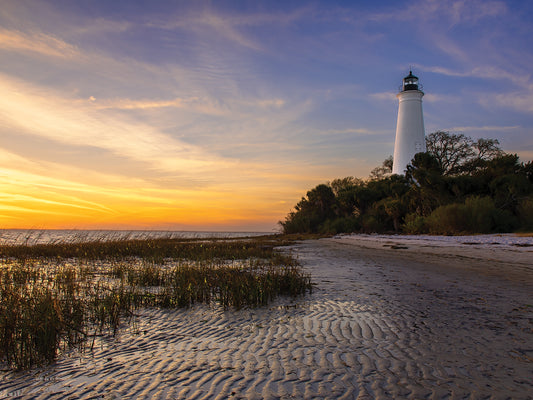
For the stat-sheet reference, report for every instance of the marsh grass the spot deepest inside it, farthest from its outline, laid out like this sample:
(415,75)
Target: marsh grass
(58,297)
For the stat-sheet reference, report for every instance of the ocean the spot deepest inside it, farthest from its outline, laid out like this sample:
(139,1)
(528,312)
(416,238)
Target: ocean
(47,236)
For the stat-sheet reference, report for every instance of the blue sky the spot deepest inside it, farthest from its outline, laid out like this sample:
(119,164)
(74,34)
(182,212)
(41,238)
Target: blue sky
(222,114)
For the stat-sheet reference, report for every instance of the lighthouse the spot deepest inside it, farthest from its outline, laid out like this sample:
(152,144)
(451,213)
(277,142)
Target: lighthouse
(410,137)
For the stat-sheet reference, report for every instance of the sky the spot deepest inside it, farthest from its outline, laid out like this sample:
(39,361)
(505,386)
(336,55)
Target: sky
(221,115)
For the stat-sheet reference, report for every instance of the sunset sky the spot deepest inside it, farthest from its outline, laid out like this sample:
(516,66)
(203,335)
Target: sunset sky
(220,115)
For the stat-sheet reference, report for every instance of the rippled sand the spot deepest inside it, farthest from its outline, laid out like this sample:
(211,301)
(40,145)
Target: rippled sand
(386,320)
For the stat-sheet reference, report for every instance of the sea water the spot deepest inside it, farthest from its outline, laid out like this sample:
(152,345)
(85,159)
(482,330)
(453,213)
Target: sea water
(47,236)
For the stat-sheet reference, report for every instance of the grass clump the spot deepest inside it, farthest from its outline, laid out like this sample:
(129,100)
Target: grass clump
(57,297)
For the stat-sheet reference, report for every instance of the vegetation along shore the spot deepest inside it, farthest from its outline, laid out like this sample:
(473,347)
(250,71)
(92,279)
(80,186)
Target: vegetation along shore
(57,297)
(458,186)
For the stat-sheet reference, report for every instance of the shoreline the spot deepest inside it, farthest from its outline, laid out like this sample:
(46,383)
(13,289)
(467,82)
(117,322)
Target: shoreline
(488,255)
(382,323)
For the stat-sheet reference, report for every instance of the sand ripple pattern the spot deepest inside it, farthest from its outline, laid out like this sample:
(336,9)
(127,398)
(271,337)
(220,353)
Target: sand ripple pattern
(369,331)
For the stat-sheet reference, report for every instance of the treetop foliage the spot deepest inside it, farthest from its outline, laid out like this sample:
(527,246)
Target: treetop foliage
(459,185)
(457,153)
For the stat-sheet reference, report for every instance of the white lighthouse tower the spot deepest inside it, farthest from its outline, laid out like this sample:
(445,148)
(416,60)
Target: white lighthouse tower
(410,137)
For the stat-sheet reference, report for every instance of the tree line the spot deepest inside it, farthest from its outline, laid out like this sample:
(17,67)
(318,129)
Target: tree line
(459,185)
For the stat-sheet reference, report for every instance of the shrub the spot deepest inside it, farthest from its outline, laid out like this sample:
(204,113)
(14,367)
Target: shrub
(476,215)
(372,224)
(341,225)
(414,224)
(525,214)
(448,219)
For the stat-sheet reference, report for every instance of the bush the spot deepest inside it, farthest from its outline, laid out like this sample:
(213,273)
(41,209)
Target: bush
(447,220)
(371,224)
(341,225)
(525,214)
(414,224)
(476,215)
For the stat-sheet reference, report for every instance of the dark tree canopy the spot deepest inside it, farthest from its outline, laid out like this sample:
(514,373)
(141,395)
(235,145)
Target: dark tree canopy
(383,170)
(459,185)
(457,153)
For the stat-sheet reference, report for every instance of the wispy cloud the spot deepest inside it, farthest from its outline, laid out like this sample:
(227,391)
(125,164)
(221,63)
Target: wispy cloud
(519,101)
(481,72)
(233,27)
(452,12)
(441,98)
(41,112)
(384,96)
(352,131)
(37,42)
(196,104)
(484,128)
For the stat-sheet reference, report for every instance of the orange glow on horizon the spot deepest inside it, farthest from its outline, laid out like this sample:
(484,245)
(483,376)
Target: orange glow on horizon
(33,201)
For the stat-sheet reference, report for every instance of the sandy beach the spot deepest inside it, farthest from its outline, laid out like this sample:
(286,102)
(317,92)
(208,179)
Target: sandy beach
(390,317)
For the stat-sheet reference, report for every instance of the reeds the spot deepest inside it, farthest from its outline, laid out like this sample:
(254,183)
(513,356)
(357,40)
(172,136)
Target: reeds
(57,297)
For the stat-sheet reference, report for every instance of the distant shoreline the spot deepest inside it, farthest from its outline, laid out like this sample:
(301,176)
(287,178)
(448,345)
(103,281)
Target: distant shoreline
(38,236)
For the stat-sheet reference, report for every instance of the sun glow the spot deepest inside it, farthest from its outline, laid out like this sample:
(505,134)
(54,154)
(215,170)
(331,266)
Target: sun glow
(35,200)
(167,183)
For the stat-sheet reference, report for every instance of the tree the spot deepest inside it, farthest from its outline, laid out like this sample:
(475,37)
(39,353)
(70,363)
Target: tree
(343,184)
(450,151)
(527,170)
(428,187)
(457,153)
(507,181)
(321,199)
(311,211)
(458,185)
(394,209)
(384,170)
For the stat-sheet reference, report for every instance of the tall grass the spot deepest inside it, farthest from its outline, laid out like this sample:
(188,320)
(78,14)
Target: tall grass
(57,297)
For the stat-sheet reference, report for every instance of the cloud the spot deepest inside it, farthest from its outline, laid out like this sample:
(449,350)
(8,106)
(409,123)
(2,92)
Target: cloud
(19,174)
(468,11)
(522,102)
(452,12)
(203,105)
(208,25)
(271,103)
(483,128)
(356,131)
(43,113)
(232,26)
(102,25)
(481,72)
(196,104)
(36,42)
(227,29)
(384,96)
(441,98)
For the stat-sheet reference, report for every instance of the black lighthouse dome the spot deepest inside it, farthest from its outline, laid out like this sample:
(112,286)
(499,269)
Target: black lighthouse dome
(410,82)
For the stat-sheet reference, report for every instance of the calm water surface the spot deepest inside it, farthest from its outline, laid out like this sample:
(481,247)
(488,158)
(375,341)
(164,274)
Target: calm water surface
(40,236)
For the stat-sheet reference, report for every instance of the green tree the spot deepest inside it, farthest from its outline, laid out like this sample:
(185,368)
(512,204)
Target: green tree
(458,185)
(342,184)
(311,211)
(428,188)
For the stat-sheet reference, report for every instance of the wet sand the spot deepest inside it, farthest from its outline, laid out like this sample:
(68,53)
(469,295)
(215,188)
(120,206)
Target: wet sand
(387,319)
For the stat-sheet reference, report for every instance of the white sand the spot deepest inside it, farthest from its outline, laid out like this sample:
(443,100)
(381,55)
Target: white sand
(430,320)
